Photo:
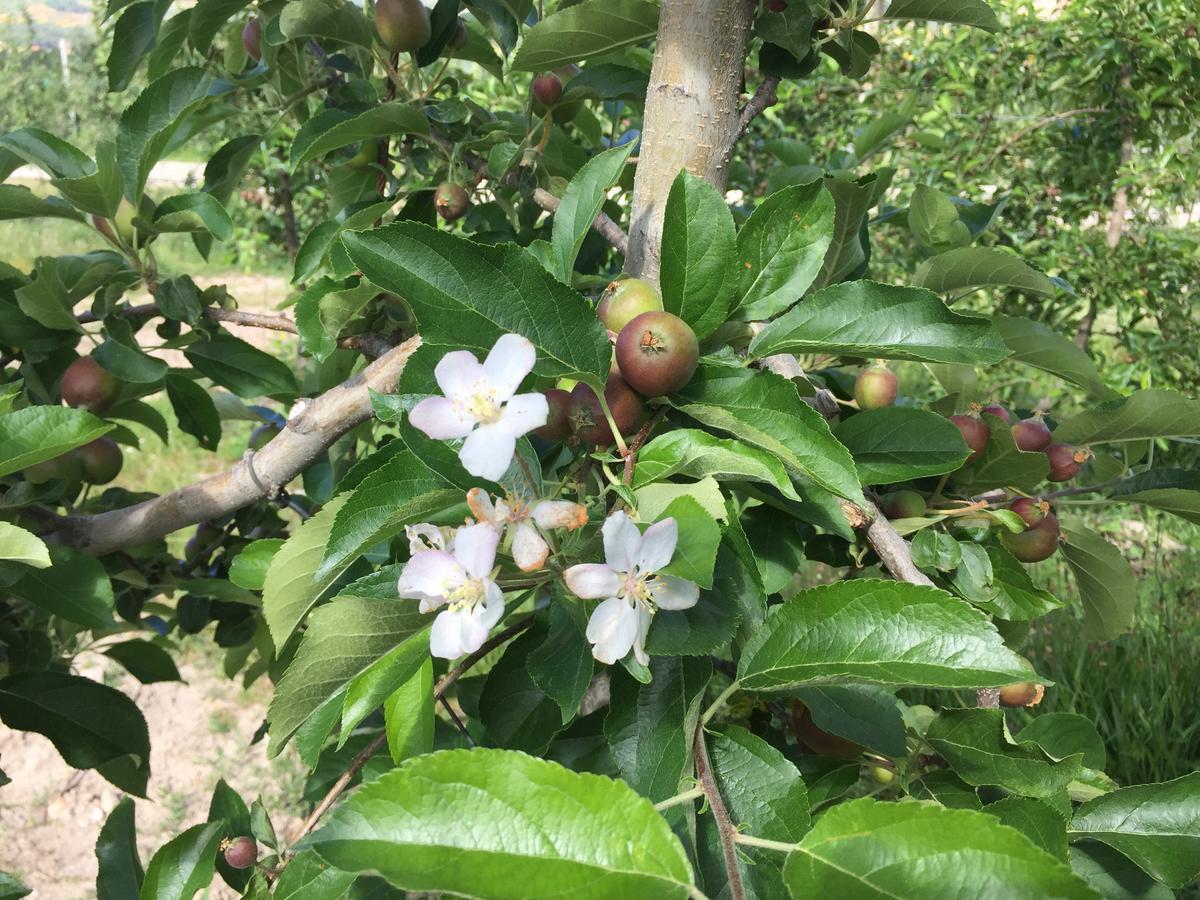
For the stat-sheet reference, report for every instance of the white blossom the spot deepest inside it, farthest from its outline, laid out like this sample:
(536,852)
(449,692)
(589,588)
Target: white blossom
(518,518)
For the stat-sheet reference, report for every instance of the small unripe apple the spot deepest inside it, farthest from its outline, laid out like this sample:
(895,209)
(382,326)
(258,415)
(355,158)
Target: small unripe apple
(657,353)
(547,88)
(252,38)
(903,505)
(998,411)
(1031,435)
(624,300)
(875,387)
(975,432)
(403,25)
(1023,693)
(558,422)
(1036,543)
(101,460)
(241,852)
(451,201)
(64,468)
(85,385)
(818,740)
(458,37)
(367,153)
(552,86)
(882,775)
(1065,461)
(587,416)
(1031,511)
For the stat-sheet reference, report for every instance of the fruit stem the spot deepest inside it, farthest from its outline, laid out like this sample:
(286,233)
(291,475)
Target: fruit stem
(621,446)
(750,841)
(719,702)
(693,794)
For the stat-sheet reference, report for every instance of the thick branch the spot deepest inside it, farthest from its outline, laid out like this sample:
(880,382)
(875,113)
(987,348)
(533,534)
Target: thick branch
(313,425)
(725,826)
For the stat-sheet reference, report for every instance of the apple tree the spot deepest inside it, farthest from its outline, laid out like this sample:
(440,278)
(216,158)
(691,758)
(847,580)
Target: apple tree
(597,537)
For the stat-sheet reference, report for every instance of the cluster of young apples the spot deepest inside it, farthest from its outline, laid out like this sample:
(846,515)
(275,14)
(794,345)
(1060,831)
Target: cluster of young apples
(656,353)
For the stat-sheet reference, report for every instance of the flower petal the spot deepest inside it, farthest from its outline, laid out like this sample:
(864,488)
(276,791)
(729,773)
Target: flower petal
(488,451)
(592,581)
(489,612)
(431,573)
(424,537)
(658,545)
(674,593)
(441,419)
(459,374)
(559,514)
(455,632)
(622,541)
(643,628)
(512,357)
(481,506)
(475,548)
(612,629)
(529,549)
(524,412)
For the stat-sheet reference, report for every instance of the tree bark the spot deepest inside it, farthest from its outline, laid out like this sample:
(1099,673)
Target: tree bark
(691,112)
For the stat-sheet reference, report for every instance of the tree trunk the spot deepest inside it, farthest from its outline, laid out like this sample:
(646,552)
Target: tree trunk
(691,115)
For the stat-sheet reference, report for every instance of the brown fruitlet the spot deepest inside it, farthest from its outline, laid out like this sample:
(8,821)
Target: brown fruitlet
(998,411)
(1065,461)
(1036,543)
(451,201)
(241,852)
(626,299)
(1031,511)
(587,416)
(558,422)
(403,25)
(547,88)
(875,387)
(975,432)
(1023,693)
(818,740)
(85,385)
(552,86)
(252,38)
(458,37)
(657,353)
(101,460)
(903,505)
(1031,435)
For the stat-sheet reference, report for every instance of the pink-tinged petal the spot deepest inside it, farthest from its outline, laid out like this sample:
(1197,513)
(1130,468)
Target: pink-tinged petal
(529,549)
(510,360)
(524,412)
(488,451)
(508,513)
(658,546)
(592,581)
(612,630)
(441,419)
(481,506)
(424,537)
(459,374)
(622,541)
(488,613)
(674,593)
(455,632)
(559,514)
(431,573)
(475,548)
(643,628)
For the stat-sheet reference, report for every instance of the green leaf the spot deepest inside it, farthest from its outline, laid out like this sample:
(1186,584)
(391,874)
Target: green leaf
(1003,464)
(227,806)
(249,568)
(21,546)
(517,714)
(324,308)
(780,250)
(972,267)
(693,453)
(765,410)
(344,639)
(91,725)
(1037,820)
(764,791)
(869,848)
(54,156)
(147,662)
(308,877)
(243,368)
(178,298)
(134,37)
(582,200)
(195,212)
(878,631)
(208,18)
(293,583)
(847,253)
(1114,876)
(121,355)
(118,866)
(344,24)
(183,865)
(1155,825)
(699,535)
(976,745)
(899,443)
(1144,414)
(12,888)
(485,821)
(976,13)
(408,716)
(468,295)
(21,203)
(371,688)
(606,81)
(149,124)
(872,320)
(75,586)
(936,550)
(933,220)
(585,30)
(337,128)
(1035,344)
(861,713)
(1106,583)
(194,410)
(650,726)
(1014,596)
(1063,734)
(562,665)
(699,250)
(1174,490)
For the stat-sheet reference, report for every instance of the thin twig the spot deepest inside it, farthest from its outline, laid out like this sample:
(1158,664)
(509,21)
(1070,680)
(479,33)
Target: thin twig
(638,440)
(725,827)
(765,96)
